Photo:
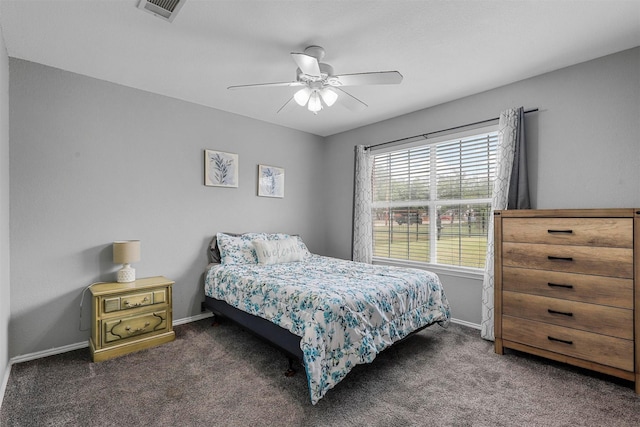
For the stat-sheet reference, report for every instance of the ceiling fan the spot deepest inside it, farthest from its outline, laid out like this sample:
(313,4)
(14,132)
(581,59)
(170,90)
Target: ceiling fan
(320,87)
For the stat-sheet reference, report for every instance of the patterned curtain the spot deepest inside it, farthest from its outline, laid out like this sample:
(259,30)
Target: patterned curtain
(508,190)
(362,231)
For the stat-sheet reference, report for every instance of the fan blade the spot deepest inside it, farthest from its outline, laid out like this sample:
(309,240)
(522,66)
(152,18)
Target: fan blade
(287,105)
(307,64)
(375,78)
(350,101)
(290,84)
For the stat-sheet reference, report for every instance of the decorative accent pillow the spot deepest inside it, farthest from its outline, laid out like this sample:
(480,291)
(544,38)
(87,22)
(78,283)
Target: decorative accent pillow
(282,236)
(278,251)
(238,249)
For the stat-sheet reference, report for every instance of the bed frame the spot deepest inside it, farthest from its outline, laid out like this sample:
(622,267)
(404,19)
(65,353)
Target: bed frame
(277,336)
(262,328)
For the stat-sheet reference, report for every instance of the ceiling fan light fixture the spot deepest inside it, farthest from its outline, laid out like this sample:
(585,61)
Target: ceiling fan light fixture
(315,104)
(302,96)
(328,96)
(319,86)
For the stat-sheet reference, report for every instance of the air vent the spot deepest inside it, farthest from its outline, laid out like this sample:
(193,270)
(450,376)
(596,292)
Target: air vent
(164,9)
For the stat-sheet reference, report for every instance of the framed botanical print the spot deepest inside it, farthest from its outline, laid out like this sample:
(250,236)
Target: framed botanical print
(270,181)
(220,169)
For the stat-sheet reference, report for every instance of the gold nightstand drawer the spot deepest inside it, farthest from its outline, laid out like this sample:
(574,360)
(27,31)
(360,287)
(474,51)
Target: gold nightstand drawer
(142,299)
(137,300)
(129,327)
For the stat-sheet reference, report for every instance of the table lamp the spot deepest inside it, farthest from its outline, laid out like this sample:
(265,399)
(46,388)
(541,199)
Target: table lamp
(125,252)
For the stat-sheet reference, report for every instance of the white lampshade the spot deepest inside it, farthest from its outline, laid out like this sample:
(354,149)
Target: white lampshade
(329,96)
(125,252)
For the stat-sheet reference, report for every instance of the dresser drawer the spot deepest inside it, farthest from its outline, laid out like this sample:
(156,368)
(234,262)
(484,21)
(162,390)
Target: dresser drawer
(134,326)
(134,300)
(605,350)
(605,232)
(602,290)
(617,322)
(614,262)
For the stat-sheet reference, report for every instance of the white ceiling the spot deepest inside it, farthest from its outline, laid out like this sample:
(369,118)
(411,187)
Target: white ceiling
(444,49)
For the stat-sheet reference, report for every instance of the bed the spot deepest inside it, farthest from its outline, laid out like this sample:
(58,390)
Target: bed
(331,314)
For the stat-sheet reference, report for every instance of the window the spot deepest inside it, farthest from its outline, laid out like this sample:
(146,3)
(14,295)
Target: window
(431,202)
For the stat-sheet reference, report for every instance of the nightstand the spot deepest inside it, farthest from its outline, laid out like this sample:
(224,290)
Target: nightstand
(128,317)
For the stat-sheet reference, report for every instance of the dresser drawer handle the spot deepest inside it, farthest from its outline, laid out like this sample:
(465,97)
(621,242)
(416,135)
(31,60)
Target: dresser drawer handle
(559,258)
(137,330)
(564,313)
(137,304)
(560,231)
(559,340)
(557,285)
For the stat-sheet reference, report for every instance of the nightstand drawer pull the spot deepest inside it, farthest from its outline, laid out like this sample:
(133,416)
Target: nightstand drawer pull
(560,231)
(130,327)
(564,313)
(559,258)
(550,338)
(144,301)
(137,330)
(557,285)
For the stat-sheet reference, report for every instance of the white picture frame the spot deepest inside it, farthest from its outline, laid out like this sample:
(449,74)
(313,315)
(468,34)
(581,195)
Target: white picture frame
(270,181)
(220,169)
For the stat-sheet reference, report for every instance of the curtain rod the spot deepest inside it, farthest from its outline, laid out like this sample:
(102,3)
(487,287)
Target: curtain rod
(425,135)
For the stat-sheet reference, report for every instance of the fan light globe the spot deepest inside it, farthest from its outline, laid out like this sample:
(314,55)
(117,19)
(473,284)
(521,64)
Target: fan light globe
(328,96)
(302,96)
(315,104)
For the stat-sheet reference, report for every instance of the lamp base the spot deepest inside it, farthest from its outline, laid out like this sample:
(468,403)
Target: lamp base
(126,274)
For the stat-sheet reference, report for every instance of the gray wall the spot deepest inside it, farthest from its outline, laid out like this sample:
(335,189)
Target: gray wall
(93,162)
(584,148)
(4,210)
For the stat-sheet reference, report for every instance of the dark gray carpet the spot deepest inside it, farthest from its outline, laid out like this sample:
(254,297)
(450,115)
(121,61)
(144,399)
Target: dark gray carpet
(224,376)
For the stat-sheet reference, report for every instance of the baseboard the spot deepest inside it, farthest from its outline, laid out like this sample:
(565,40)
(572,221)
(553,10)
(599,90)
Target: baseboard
(192,318)
(48,352)
(5,380)
(468,324)
(85,344)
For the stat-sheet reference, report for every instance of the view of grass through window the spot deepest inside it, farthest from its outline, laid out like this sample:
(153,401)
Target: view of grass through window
(451,182)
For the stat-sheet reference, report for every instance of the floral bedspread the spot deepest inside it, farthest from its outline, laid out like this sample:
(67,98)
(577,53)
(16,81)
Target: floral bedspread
(345,312)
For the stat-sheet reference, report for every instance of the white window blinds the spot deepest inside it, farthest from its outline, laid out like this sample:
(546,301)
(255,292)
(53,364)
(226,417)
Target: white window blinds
(431,202)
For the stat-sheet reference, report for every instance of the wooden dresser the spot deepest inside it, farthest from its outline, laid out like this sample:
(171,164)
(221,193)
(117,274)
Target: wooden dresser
(566,287)
(128,317)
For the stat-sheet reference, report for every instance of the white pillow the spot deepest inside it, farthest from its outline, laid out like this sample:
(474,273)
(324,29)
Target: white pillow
(278,251)
(282,236)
